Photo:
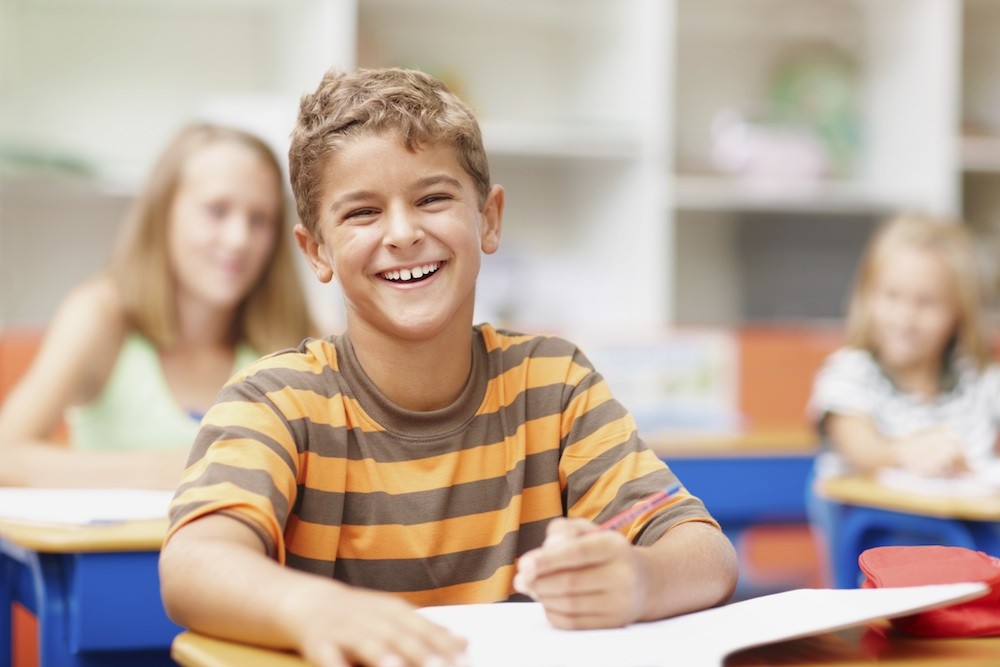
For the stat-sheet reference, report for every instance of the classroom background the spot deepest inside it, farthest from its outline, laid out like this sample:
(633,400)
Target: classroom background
(690,182)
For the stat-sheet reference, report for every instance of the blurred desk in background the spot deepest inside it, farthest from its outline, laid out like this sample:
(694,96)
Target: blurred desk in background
(757,477)
(82,595)
(864,514)
(754,484)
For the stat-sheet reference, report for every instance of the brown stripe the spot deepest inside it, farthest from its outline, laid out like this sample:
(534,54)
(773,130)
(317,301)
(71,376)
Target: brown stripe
(386,447)
(258,482)
(210,433)
(372,509)
(417,574)
(540,347)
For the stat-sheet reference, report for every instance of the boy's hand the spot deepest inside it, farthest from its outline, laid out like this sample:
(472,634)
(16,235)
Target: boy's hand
(934,452)
(343,626)
(584,578)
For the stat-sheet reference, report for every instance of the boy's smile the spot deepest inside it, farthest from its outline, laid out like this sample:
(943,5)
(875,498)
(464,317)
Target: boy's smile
(403,232)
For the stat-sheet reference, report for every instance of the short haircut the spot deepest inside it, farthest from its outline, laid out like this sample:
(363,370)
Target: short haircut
(274,315)
(952,241)
(415,105)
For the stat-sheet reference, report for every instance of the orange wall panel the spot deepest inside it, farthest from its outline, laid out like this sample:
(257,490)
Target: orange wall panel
(777,366)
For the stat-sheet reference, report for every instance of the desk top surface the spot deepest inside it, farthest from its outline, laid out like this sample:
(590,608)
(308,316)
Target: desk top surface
(849,648)
(791,440)
(858,490)
(65,538)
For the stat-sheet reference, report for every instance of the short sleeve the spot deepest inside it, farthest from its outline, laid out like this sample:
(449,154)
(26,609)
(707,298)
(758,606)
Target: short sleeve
(849,382)
(243,464)
(607,468)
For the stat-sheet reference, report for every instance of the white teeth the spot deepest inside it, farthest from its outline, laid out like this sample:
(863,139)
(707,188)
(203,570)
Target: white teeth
(412,273)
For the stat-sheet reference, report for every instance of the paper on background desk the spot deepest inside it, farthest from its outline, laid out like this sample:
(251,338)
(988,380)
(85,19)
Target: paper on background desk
(83,506)
(518,633)
(982,481)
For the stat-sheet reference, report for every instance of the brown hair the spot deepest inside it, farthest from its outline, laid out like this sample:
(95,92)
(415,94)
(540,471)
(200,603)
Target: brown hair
(273,316)
(417,106)
(952,242)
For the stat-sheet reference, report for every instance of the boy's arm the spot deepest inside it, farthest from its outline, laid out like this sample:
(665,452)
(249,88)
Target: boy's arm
(216,579)
(598,579)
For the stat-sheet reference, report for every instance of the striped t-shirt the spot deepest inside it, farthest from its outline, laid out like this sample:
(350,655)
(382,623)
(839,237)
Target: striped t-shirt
(851,382)
(435,506)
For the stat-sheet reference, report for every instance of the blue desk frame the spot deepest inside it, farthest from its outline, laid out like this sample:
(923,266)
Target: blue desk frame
(95,608)
(855,528)
(741,490)
(746,489)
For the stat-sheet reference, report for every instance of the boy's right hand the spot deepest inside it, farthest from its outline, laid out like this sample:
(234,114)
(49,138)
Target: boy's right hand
(339,626)
(933,452)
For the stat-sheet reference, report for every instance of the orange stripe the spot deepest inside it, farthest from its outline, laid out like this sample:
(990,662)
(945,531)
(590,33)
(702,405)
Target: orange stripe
(254,416)
(289,361)
(338,411)
(312,540)
(245,454)
(252,507)
(604,488)
(581,452)
(498,587)
(427,474)
(540,372)
(436,538)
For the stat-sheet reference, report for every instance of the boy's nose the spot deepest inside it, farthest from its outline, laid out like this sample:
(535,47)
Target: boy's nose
(402,230)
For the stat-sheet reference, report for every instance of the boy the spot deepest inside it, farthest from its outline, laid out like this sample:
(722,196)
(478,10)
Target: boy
(416,459)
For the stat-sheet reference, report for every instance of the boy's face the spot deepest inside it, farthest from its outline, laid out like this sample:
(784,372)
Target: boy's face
(402,232)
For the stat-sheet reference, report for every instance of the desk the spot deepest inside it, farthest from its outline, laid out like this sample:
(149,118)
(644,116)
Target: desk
(850,648)
(866,514)
(859,490)
(756,477)
(754,484)
(94,590)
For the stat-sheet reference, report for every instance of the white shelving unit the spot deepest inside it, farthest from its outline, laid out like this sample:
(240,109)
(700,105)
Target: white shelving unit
(597,114)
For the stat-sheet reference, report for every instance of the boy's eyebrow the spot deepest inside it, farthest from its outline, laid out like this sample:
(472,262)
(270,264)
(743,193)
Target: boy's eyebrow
(350,197)
(441,179)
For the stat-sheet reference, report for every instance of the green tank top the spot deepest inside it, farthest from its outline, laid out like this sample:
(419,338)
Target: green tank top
(135,410)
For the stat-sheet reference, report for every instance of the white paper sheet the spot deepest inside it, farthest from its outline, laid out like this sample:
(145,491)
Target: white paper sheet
(519,634)
(83,506)
(984,481)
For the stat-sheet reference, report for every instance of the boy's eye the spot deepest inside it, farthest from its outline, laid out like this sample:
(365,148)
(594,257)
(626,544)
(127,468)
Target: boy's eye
(433,199)
(360,214)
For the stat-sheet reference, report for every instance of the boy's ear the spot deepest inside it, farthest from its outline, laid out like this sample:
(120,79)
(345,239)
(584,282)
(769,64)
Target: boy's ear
(310,246)
(492,221)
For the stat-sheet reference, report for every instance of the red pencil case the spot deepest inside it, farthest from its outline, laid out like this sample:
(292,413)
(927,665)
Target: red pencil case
(889,567)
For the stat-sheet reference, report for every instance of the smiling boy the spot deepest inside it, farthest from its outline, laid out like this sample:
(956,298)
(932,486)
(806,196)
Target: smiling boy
(417,459)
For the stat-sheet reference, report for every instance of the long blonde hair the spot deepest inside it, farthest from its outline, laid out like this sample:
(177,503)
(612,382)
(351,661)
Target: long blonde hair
(952,242)
(274,315)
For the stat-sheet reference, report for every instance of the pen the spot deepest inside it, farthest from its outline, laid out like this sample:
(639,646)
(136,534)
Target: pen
(655,501)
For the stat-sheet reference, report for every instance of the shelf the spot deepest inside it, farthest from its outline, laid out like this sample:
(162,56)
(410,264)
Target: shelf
(570,140)
(720,193)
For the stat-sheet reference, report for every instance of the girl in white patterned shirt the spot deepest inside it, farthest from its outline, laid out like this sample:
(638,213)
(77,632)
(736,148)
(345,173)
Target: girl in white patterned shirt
(914,388)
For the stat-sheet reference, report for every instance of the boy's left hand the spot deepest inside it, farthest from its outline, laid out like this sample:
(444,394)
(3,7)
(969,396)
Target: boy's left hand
(584,578)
